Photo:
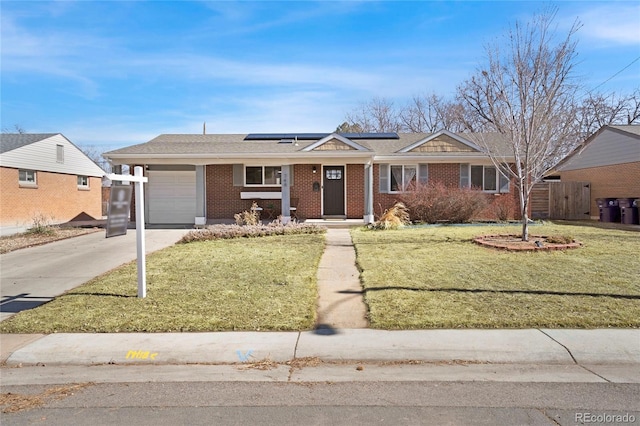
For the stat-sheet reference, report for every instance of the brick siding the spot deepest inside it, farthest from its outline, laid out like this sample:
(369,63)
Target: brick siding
(223,199)
(449,175)
(618,181)
(56,197)
(355,191)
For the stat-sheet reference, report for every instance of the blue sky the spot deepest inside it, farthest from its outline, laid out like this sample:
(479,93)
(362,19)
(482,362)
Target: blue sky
(117,73)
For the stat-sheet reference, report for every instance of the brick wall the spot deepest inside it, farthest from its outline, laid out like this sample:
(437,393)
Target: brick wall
(448,174)
(619,181)
(310,201)
(223,199)
(56,197)
(355,191)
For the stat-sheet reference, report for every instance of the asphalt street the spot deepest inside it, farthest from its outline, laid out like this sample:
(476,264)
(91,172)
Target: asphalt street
(332,403)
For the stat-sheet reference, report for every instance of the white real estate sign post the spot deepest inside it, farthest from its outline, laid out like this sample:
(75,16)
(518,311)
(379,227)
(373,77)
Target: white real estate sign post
(139,180)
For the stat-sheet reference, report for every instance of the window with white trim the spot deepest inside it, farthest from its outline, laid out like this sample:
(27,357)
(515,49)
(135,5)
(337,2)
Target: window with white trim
(83,182)
(488,178)
(402,178)
(27,177)
(262,176)
(59,153)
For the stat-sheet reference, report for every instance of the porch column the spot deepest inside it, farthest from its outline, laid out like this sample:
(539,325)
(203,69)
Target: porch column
(285,180)
(368,193)
(201,213)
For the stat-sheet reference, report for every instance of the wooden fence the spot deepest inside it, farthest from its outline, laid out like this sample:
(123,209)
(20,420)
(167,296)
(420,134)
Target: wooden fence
(561,200)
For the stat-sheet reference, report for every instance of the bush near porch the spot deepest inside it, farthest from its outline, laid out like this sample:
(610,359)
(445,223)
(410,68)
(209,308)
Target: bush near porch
(436,202)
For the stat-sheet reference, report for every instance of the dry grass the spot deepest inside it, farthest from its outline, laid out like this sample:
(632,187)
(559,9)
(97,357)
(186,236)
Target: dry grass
(434,277)
(266,283)
(31,239)
(14,402)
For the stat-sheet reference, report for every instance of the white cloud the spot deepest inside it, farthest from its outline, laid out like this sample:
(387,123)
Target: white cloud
(615,22)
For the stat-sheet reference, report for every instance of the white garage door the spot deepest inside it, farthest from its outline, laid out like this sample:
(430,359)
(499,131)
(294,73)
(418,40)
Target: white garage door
(172,196)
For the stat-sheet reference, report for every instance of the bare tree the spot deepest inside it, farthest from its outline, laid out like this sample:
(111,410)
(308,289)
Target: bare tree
(347,127)
(94,152)
(526,94)
(422,114)
(377,115)
(16,129)
(597,110)
(632,108)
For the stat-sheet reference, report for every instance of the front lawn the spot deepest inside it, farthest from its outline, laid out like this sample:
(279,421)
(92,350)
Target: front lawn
(435,277)
(266,283)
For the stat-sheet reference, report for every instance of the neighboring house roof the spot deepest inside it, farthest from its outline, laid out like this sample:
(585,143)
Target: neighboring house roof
(39,151)
(628,128)
(11,141)
(381,147)
(610,145)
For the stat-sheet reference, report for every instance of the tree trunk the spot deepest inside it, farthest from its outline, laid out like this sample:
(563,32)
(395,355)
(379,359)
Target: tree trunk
(524,204)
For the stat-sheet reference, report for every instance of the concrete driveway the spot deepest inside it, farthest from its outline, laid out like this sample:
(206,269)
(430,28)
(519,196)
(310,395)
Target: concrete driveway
(32,276)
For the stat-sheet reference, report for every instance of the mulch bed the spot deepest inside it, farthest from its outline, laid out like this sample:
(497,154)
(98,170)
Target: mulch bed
(515,243)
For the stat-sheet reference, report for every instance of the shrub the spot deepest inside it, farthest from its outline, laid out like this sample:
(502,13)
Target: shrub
(393,218)
(221,232)
(503,207)
(251,217)
(40,225)
(435,202)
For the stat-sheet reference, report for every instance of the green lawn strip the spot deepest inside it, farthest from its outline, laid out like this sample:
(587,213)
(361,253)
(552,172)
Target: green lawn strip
(437,278)
(266,283)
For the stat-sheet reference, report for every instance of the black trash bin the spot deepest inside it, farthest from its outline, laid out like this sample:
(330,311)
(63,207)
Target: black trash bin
(609,209)
(628,212)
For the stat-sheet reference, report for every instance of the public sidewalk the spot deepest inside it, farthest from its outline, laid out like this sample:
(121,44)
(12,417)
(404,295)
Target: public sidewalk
(531,346)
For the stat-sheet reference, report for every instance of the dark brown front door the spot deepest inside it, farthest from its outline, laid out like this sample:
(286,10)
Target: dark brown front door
(333,182)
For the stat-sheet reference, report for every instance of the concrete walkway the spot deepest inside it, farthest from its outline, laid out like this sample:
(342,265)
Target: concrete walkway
(340,301)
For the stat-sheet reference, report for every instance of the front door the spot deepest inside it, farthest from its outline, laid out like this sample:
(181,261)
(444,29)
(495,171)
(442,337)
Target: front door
(333,185)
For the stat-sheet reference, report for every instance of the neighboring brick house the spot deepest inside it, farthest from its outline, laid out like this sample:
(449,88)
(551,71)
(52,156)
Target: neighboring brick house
(610,161)
(322,175)
(45,176)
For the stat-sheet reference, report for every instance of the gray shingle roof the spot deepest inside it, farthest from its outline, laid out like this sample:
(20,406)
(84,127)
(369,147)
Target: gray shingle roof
(203,145)
(11,141)
(629,128)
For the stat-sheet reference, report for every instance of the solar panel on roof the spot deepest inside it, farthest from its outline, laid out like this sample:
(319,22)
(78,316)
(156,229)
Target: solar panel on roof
(316,136)
(279,136)
(389,135)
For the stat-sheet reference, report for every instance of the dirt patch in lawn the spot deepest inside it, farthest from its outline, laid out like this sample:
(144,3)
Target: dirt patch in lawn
(535,243)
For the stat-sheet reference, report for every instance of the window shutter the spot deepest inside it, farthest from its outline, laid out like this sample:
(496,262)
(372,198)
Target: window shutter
(423,173)
(464,175)
(384,178)
(504,183)
(291,167)
(238,175)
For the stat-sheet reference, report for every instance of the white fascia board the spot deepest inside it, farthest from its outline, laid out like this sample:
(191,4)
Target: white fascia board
(295,158)
(479,159)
